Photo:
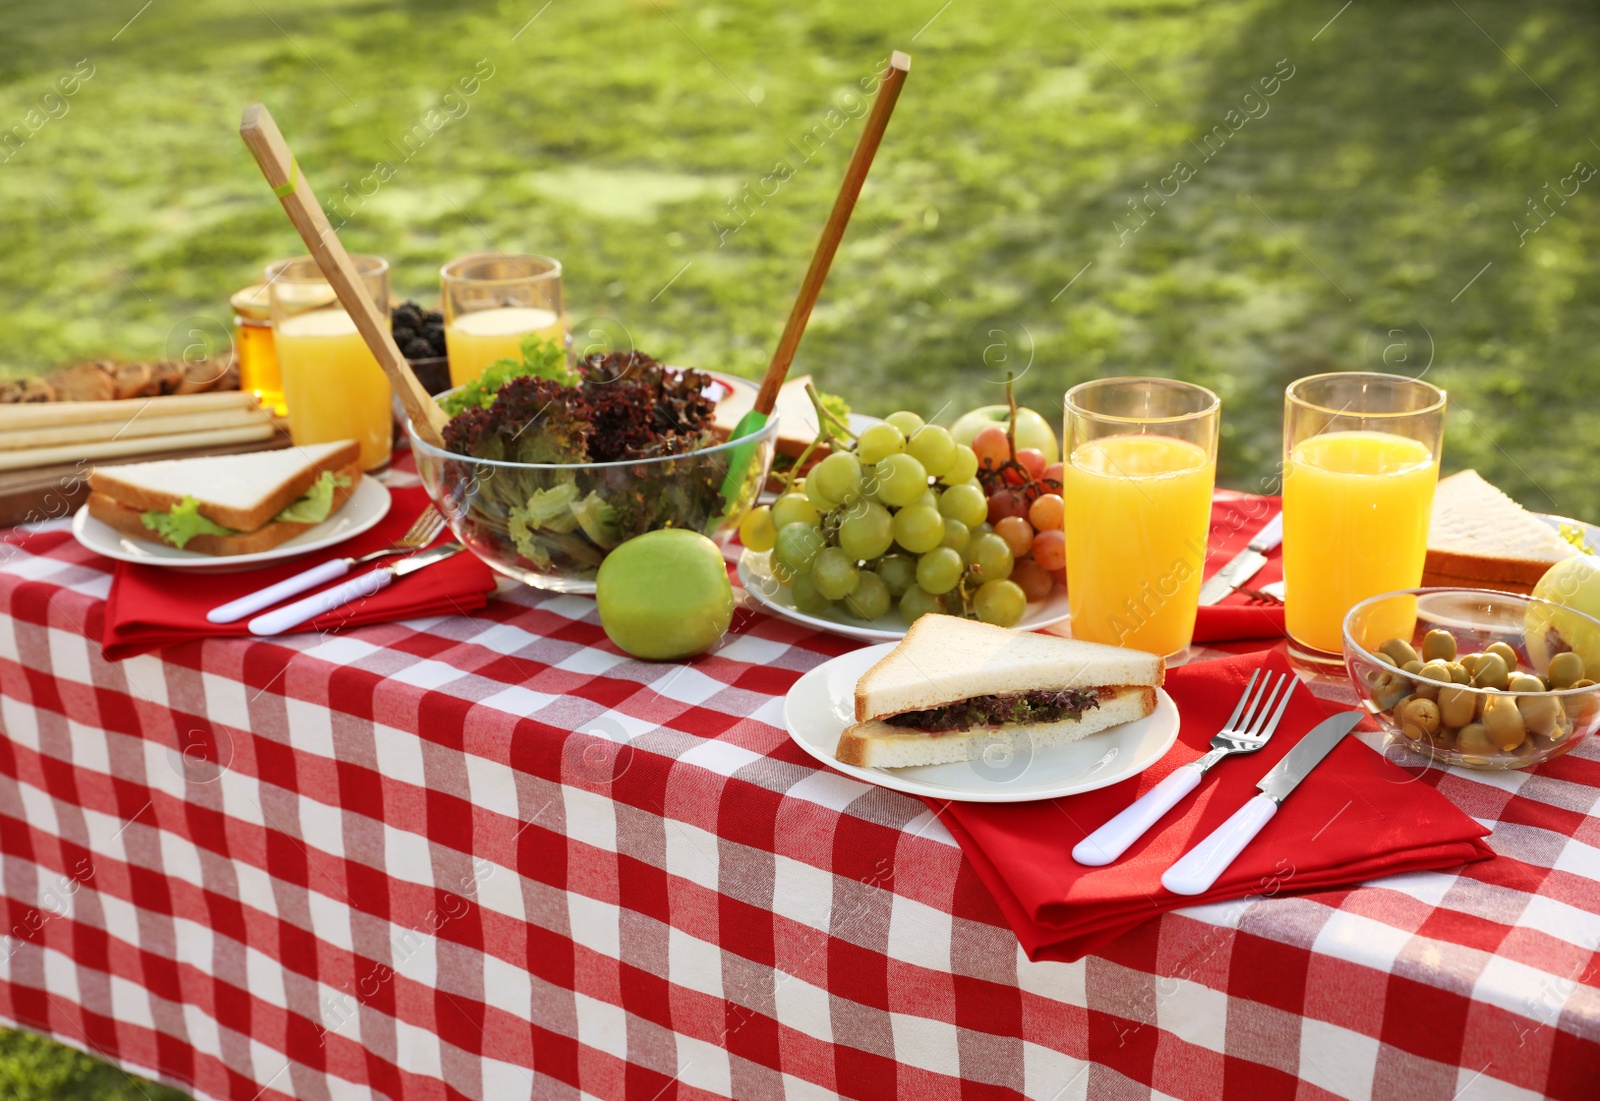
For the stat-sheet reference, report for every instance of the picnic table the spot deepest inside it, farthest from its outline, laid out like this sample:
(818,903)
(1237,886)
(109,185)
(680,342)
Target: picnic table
(491,856)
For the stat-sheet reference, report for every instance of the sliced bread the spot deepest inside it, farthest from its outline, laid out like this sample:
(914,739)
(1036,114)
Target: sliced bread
(1480,536)
(875,744)
(241,492)
(947,658)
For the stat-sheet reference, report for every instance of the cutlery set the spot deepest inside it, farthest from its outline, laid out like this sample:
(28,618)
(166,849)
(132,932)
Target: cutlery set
(1251,726)
(418,536)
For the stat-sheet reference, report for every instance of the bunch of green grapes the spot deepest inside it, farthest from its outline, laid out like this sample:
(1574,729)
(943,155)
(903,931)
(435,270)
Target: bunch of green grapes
(900,518)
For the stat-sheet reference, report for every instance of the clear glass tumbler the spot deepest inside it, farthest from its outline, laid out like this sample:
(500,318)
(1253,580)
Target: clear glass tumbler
(1141,459)
(332,383)
(491,302)
(1360,463)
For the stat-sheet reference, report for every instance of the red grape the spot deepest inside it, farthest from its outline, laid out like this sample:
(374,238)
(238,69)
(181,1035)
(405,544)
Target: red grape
(1017,533)
(1050,549)
(1012,476)
(991,446)
(1047,512)
(1052,473)
(1035,580)
(1001,504)
(1032,460)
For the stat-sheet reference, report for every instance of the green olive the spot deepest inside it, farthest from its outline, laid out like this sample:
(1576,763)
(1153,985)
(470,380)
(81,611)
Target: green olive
(1540,714)
(1435,670)
(1387,660)
(1412,667)
(1457,706)
(1439,646)
(1469,662)
(1524,682)
(1504,722)
(1565,670)
(1507,654)
(1492,672)
(1421,715)
(1474,739)
(1400,650)
(1444,738)
(1458,673)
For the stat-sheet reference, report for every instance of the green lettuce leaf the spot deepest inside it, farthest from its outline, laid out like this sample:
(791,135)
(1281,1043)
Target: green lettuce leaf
(317,502)
(182,523)
(540,359)
(548,510)
(598,520)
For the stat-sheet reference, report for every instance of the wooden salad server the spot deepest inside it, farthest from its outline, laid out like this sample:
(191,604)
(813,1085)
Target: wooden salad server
(282,171)
(821,259)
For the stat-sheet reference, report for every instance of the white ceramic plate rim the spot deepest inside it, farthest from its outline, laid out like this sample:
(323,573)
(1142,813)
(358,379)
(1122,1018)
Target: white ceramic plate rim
(755,574)
(366,507)
(1152,737)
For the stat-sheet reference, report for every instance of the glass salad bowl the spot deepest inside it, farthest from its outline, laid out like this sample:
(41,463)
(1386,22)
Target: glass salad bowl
(550,525)
(1476,677)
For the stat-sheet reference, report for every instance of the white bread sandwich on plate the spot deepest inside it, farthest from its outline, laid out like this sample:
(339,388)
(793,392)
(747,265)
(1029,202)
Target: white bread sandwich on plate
(954,687)
(1482,538)
(227,504)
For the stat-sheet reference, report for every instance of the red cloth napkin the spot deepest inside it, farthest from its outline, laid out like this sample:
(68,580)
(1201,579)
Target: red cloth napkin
(150,607)
(1356,817)
(1235,519)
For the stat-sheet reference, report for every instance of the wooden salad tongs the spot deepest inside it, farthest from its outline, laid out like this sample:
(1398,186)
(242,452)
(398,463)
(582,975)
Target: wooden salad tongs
(821,259)
(282,171)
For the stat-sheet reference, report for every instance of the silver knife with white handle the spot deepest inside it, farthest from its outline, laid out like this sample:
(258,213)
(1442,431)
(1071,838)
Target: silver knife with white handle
(290,616)
(1244,565)
(1199,868)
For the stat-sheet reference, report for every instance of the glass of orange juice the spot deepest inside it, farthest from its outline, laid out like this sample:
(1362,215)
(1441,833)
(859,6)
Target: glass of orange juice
(1141,458)
(332,383)
(491,301)
(1361,459)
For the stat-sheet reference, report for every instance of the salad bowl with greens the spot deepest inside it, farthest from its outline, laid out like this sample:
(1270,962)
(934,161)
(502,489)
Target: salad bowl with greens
(547,466)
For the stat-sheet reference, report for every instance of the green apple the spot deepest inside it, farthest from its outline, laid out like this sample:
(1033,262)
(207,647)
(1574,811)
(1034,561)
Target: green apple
(1573,583)
(665,595)
(1032,429)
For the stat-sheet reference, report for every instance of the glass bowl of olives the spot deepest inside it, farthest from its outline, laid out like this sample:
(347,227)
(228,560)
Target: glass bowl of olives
(1457,676)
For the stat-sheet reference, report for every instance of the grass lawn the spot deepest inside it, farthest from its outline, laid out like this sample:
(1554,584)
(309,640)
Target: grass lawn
(1237,193)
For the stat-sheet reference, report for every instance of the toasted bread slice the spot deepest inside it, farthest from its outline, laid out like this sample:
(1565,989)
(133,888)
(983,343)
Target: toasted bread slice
(876,744)
(83,382)
(1479,536)
(130,522)
(241,492)
(946,658)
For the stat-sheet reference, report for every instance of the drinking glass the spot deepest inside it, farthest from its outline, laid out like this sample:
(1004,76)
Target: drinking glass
(492,301)
(1141,458)
(332,383)
(1360,462)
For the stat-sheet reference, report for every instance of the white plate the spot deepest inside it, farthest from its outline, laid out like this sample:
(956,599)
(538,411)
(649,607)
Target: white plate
(755,574)
(366,506)
(823,702)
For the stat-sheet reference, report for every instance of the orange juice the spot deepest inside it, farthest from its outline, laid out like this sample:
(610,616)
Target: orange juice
(1137,512)
(475,340)
(333,384)
(1356,507)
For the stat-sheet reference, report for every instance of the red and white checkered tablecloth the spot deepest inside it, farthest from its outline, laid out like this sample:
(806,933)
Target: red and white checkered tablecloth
(493,857)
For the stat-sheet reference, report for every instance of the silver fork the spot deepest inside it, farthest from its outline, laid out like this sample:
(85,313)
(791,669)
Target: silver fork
(1249,727)
(420,534)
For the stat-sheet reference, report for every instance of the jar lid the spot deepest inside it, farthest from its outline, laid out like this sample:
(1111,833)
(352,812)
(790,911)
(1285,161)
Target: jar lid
(254,302)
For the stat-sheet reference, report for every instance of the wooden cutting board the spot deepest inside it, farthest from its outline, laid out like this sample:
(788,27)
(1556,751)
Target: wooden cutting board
(50,492)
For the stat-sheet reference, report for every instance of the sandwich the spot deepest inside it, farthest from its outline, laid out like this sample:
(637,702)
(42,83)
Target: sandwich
(1479,537)
(954,687)
(227,504)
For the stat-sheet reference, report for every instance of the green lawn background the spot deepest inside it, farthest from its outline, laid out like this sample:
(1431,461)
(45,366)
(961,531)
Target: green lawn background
(1375,211)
